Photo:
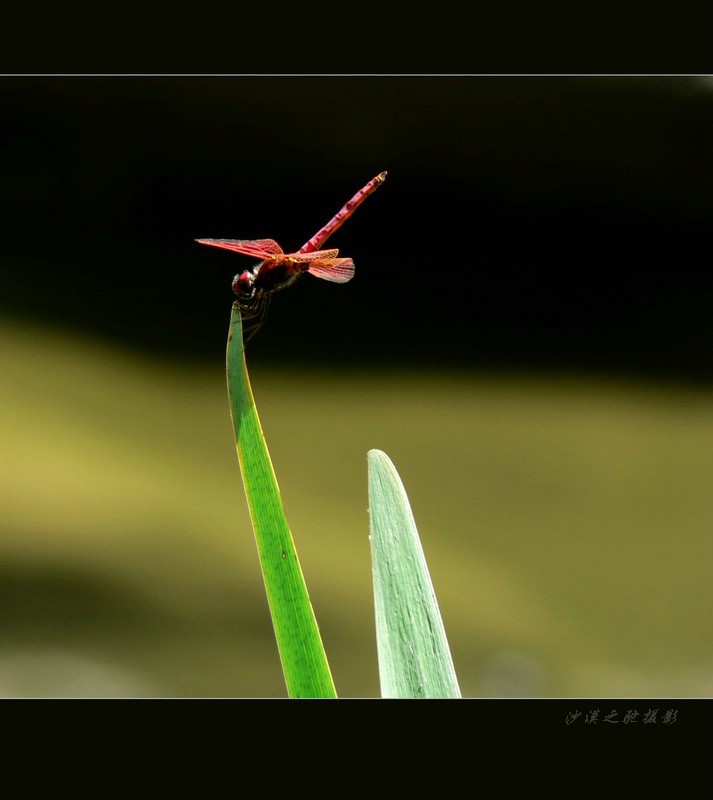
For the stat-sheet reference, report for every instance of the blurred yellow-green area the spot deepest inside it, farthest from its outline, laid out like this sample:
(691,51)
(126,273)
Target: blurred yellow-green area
(566,523)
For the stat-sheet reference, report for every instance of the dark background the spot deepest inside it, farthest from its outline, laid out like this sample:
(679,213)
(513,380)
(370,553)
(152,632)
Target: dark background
(534,222)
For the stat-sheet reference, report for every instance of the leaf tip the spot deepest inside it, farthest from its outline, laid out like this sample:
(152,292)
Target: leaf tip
(376,456)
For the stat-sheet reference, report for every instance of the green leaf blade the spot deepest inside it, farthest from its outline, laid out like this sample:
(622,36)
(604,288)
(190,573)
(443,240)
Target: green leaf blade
(414,657)
(304,661)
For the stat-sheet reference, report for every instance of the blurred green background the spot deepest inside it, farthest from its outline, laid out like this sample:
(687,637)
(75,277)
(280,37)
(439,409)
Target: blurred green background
(528,337)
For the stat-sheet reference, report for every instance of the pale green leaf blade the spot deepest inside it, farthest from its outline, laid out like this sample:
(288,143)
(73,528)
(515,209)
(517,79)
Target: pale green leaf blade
(414,657)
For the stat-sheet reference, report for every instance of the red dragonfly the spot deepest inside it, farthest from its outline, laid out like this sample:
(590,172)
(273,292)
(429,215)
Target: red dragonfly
(276,270)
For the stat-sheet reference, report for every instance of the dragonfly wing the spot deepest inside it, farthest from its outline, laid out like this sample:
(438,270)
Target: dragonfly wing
(337,270)
(314,256)
(257,248)
(266,244)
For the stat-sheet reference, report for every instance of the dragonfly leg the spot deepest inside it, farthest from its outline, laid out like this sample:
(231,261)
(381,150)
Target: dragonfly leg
(254,314)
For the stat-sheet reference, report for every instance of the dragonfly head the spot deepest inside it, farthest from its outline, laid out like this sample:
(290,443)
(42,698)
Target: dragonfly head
(243,284)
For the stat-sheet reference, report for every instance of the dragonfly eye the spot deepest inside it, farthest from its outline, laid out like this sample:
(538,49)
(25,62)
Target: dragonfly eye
(243,284)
